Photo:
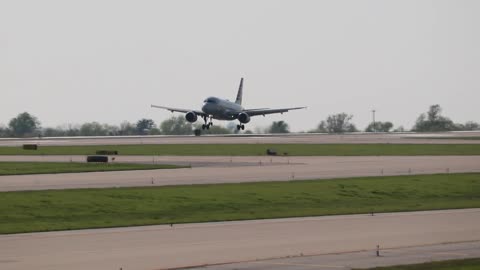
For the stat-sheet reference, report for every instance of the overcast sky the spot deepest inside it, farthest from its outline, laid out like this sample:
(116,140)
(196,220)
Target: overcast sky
(107,61)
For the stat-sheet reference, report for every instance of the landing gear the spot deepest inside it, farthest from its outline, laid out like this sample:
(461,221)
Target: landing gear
(240,126)
(207,125)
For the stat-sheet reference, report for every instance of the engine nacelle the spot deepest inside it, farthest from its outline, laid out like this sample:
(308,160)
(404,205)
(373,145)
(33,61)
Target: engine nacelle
(191,117)
(243,118)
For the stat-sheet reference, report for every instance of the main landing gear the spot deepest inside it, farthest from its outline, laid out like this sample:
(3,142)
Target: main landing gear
(207,125)
(240,126)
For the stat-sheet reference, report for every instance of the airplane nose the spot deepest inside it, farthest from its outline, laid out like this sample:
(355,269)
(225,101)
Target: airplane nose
(205,108)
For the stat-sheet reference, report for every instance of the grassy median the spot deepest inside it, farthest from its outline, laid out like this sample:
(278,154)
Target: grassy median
(94,208)
(18,168)
(257,149)
(463,264)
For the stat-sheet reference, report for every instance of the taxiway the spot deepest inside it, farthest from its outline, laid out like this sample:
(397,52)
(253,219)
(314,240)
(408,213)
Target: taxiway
(208,170)
(302,138)
(182,245)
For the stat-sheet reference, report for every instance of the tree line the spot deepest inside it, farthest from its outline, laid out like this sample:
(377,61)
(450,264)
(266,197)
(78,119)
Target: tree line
(27,125)
(431,121)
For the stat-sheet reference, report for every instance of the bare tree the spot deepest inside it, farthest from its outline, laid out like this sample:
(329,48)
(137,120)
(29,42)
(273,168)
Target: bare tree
(339,123)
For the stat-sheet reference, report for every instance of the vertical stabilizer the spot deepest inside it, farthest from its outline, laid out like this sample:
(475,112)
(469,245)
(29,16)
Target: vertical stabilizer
(240,93)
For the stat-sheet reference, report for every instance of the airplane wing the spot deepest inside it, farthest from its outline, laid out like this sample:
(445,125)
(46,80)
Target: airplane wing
(179,110)
(254,112)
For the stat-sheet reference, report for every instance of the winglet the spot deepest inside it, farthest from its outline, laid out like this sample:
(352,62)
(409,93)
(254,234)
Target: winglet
(240,93)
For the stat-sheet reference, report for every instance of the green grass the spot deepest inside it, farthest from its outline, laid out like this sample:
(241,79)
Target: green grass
(13,168)
(258,149)
(93,208)
(463,264)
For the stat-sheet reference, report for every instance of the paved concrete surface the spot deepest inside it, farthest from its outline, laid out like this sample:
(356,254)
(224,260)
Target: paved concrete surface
(362,259)
(412,138)
(239,169)
(161,247)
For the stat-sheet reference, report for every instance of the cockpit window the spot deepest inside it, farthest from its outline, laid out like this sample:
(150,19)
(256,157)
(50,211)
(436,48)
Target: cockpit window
(211,100)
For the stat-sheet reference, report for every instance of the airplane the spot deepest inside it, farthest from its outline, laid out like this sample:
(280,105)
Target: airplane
(223,109)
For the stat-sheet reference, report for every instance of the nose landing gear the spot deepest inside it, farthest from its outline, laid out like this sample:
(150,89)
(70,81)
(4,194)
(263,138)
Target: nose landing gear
(207,125)
(240,126)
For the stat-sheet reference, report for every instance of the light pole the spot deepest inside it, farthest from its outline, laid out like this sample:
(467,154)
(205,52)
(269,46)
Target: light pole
(373,114)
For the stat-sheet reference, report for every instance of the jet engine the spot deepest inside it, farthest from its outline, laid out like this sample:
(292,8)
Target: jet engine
(243,117)
(191,117)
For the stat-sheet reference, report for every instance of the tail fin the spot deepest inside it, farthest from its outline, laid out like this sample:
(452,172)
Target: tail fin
(240,93)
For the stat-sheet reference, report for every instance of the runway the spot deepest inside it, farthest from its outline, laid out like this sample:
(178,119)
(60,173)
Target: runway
(162,247)
(362,259)
(307,138)
(207,170)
